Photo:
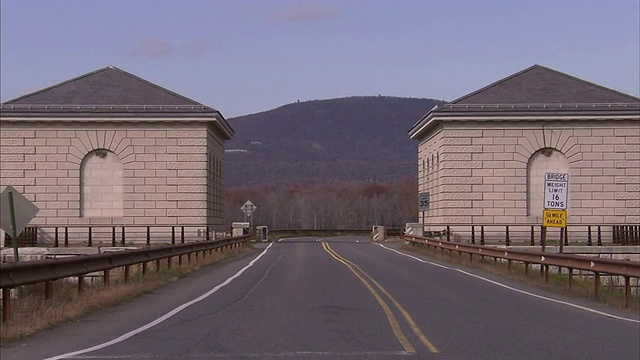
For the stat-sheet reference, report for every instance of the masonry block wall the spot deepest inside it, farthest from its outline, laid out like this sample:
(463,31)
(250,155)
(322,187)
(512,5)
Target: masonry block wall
(166,173)
(429,171)
(215,175)
(484,171)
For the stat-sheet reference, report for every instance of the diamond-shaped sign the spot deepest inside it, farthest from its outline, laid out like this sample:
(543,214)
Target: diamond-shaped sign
(23,209)
(248,208)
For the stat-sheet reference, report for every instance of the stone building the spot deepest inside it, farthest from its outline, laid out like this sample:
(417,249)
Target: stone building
(483,157)
(111,149)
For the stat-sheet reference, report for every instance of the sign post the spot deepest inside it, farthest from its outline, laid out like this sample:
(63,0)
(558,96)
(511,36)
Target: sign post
(556,191)
(16,212)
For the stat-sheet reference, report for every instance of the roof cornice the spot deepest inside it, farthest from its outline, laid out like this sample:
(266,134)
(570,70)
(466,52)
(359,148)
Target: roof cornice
(214,118)
(57,108)
(512,112)
(431,120)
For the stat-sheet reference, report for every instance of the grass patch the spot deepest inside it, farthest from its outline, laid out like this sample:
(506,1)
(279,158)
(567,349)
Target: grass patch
(582,284)
(31,313)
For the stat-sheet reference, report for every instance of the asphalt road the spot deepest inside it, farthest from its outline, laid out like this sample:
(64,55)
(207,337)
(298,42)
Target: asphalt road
(341,298)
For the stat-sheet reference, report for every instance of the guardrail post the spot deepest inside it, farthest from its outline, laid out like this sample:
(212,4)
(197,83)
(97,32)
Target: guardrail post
(473,234)
(56,241)
(599,235)
(448,233)
(207,237)
(173,235)
(546,273)
(566,235)
(105,278)
(158,265)
(66,236)
(533,236)
(144,268)
(169,261)
(80,284)
(124,236)
(570,277)
(597,285)
(6,305)
(621,234)
(589,241)
(627,292)
(148,235)
(127,273)
(543,237)
(90,237)
(48,290)
(182,235)
(507,235)
(113,236)
(482,235)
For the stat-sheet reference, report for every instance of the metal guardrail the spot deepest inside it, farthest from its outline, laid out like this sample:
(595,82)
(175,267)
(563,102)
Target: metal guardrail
(624,268)
(116,235)
(317,232)
(591,234)
(15,274)
(121,235)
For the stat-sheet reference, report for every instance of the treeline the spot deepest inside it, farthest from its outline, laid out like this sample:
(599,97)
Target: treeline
(345,206)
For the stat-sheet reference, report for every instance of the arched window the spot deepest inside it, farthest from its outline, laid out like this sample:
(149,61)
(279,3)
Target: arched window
(541,162)
(101,185)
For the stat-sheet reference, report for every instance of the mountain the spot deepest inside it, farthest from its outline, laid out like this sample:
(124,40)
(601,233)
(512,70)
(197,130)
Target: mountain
(353,139)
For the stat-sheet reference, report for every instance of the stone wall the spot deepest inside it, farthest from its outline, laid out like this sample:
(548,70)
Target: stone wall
(486,173)
(429,170)
(165,174)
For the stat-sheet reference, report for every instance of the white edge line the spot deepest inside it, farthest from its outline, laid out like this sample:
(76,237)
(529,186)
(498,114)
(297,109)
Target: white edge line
(163,317)
(514,289)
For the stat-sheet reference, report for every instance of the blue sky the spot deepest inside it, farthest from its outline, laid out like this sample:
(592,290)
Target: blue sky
(247,56)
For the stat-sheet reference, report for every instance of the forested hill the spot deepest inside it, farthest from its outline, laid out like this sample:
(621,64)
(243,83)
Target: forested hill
(345,140)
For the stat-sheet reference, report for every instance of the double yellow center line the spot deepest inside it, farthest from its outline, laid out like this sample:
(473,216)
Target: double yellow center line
(367,280)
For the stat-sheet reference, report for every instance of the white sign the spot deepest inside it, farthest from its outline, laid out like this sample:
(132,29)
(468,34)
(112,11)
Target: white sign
(23,209)
(423,201)
(248,208)
(556,191)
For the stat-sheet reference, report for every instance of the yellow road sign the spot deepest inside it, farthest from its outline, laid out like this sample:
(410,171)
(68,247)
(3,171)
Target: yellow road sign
(554,218)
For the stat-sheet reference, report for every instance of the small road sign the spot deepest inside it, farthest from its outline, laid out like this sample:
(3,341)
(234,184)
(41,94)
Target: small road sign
(556,190)
(423,201)
(554,218)
(23,211)
(248,208)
